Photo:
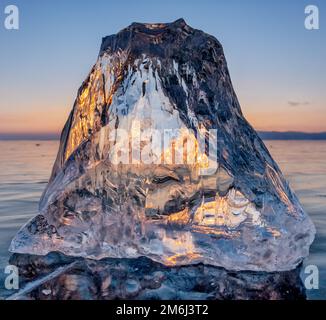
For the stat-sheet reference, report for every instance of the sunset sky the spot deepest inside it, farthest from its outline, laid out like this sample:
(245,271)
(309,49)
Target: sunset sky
(278,68)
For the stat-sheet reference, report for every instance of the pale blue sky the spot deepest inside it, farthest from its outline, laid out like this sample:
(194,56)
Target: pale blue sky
(273,59)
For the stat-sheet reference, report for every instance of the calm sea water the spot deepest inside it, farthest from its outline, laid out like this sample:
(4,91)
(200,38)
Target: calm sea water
(25,167)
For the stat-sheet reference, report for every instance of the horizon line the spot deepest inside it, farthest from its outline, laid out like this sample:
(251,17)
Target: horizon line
(264,134)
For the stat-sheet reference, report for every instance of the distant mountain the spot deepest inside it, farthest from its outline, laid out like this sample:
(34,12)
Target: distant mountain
(291,135)
(265,135)
(29,136)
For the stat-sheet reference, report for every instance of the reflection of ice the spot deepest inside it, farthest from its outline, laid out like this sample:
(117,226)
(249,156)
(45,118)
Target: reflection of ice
(60,278)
